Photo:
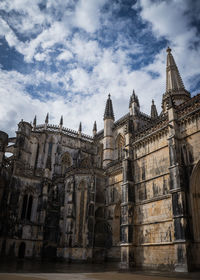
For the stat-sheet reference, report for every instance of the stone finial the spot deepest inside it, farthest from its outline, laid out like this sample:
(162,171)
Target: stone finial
(80,127)
(47,118)
(168,50)
(109,109)
(80,130)
(174,81)
(34,121)
(61,121)
(154,113)
(134,99)
(94,128)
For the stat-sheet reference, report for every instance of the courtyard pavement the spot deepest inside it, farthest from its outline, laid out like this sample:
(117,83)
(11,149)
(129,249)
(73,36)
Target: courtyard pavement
(98,276)
(37,270)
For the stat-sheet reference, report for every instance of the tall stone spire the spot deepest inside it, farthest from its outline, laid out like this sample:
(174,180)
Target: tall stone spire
(134,98)
(61,123)
(109,109)
(94,129)
(80,127)
(174,83)
(34,121)
(134,105)
(154,113)
(61,120)
(47,118)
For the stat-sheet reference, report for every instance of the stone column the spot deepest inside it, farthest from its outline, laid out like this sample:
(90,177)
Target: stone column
(177,189)
(108,141)
(127,254)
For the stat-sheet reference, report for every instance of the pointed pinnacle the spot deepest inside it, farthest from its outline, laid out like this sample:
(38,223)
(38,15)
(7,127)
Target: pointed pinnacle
(34,121)
(95,126)
(168,50)
(61,120)
(108,114)
(80,127)
(154,113)
(47,118)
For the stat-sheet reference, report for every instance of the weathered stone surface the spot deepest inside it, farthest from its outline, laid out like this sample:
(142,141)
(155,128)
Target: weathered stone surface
(131,192)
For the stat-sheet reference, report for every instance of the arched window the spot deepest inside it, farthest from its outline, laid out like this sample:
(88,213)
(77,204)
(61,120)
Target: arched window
(116,224)
(22,250)
(24,206)
(195,201)
(48,162)
(66,162)
(120,144)
(27,207)
(81,198)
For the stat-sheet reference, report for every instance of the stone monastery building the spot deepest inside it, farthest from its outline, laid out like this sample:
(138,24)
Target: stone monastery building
(130,193)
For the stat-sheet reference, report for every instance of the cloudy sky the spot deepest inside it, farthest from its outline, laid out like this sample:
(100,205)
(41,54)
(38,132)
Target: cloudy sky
(65,56)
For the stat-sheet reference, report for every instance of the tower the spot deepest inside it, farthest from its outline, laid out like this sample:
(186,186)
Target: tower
(154,113)
(134,105)
(174,83)
(108,141)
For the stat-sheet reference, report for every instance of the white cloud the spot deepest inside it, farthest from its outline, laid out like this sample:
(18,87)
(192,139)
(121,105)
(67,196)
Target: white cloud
(173,20)
(65,55)
(87,14)
(92,71)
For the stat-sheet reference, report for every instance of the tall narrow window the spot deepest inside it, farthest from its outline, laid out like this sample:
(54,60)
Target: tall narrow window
(37,155)
(27,207)
(120,144)
(66,162)
(48,163)
(24,206)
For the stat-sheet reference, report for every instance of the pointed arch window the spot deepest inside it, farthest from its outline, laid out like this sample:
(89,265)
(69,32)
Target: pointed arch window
(120,144)
(66,162)
(27,207)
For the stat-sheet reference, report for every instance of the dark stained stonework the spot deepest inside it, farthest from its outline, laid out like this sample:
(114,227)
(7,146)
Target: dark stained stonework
(130,193)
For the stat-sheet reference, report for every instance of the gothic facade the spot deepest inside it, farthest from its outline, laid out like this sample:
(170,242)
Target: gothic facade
(130,193)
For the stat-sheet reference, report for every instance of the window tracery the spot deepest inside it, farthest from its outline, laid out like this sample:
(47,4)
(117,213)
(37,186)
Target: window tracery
(120,144)
(66,162)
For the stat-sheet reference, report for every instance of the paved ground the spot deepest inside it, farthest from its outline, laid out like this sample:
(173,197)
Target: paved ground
(98,276)
(37,270)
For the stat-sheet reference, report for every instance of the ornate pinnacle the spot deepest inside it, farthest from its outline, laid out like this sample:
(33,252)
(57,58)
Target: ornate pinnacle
(134,98)
(61,120)
(95,126)
(174,81)
(94,129)
(80,127)
(34,121)
(109,109)
(154,113)
(168,50)
(47,118)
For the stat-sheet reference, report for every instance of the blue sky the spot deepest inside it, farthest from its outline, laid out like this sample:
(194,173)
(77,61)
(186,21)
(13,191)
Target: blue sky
(65,56)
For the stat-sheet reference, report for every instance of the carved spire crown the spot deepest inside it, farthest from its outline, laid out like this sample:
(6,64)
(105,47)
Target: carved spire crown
(154,113)
(173,81)
(109,109)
